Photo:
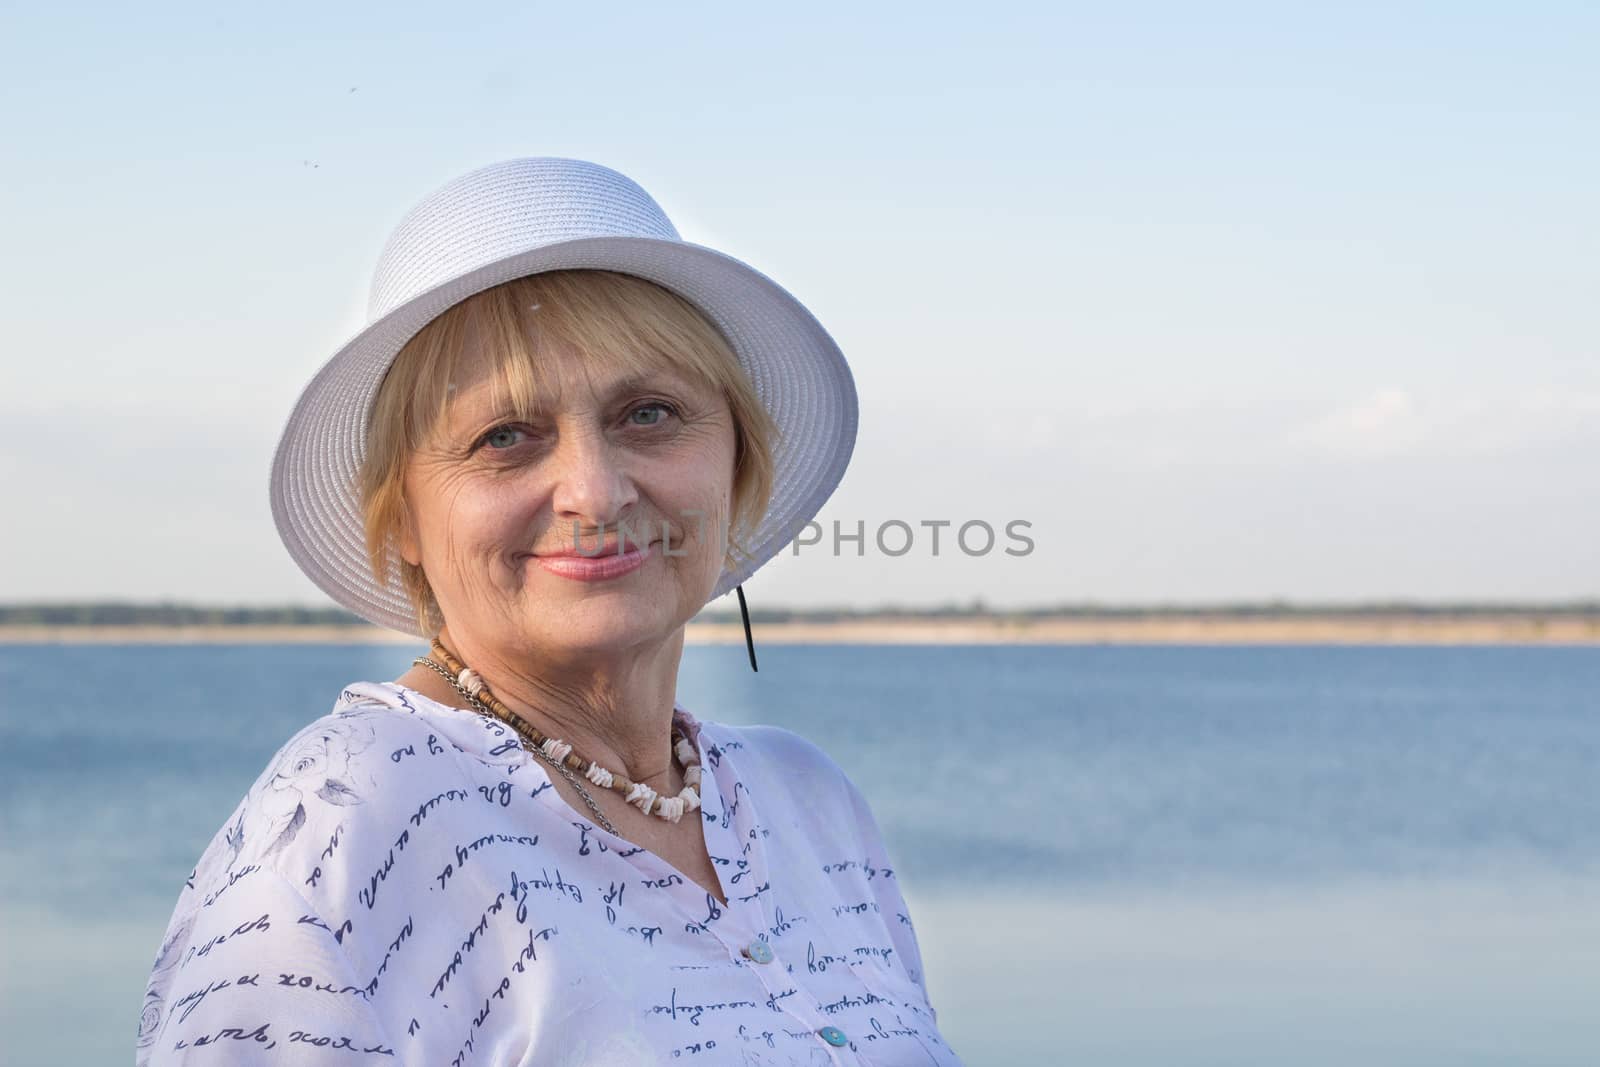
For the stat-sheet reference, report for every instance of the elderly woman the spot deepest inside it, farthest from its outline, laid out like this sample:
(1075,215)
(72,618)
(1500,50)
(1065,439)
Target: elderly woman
(563,432)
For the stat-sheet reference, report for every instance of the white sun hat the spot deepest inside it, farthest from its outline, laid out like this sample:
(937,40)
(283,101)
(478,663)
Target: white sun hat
(520,217)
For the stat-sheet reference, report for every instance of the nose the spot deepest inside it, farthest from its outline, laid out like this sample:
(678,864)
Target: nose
(593,491)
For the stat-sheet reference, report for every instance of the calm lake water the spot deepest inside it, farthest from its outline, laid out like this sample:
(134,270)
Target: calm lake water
(1114,854)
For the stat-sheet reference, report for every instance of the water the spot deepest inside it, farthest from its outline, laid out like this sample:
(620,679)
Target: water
(1121,855)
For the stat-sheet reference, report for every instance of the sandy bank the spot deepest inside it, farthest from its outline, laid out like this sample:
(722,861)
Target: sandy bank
(1357,630)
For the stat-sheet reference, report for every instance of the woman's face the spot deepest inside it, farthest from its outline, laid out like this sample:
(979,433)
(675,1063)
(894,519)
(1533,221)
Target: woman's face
(491,498)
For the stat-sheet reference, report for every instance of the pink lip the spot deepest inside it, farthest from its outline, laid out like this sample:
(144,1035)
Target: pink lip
(608,564)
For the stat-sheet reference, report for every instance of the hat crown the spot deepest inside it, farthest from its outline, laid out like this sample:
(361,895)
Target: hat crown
(505,208)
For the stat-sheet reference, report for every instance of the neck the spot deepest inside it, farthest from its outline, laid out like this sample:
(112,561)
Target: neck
(615,710)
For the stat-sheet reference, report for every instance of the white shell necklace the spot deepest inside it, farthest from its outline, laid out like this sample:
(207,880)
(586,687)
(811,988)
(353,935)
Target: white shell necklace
(559,753)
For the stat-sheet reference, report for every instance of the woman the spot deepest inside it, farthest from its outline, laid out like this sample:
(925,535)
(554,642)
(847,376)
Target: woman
(562,433)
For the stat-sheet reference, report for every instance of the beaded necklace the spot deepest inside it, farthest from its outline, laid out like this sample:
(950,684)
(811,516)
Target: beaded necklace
(560,755)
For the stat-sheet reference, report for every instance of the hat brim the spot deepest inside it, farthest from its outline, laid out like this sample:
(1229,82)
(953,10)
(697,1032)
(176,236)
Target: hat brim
(797,370)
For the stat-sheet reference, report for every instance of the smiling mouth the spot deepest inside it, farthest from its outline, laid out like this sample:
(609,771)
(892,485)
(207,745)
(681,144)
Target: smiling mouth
(611,548)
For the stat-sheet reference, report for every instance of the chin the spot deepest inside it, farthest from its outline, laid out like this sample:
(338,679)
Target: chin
(599,620)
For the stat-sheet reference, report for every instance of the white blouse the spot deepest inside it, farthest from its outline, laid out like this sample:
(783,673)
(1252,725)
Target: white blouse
(404,885)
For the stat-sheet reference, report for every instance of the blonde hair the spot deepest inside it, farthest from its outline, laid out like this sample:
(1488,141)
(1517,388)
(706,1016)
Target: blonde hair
(621,324)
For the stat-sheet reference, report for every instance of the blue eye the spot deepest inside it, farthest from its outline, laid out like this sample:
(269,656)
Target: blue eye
(501,437)
(665,409)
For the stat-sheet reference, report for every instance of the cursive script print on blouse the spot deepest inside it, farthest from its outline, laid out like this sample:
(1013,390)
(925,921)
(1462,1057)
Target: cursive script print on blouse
(403,885)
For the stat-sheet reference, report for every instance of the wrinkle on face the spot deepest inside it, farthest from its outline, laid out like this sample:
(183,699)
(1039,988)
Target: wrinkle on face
(483,510)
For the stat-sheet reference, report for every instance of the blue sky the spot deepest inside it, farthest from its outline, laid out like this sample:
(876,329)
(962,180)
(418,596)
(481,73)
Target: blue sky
(1233,302)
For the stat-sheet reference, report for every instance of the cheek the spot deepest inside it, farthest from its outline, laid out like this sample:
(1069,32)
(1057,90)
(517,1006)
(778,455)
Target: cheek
(693,512)
(709,528)
(471,520)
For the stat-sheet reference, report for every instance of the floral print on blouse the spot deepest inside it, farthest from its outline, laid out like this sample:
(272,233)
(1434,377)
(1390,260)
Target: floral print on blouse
(403,885)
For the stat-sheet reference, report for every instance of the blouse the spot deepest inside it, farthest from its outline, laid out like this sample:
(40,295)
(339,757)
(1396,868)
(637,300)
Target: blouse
(403,884)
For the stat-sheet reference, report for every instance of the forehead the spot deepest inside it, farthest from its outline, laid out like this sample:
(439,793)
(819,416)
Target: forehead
(559,379)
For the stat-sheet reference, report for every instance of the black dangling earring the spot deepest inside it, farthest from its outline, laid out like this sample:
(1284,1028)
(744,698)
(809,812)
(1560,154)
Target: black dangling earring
(744,612)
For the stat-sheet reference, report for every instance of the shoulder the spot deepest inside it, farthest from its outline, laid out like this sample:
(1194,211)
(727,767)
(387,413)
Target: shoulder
(783,763)
(338,770)
(774,750)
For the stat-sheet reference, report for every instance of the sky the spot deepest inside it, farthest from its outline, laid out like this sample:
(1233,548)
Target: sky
(1225,302)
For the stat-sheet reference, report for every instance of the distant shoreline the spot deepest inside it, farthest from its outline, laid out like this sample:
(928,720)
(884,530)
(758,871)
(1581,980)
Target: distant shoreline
(1298,629)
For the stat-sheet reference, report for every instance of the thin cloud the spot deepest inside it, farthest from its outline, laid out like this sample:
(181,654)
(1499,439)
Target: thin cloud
(1393,422)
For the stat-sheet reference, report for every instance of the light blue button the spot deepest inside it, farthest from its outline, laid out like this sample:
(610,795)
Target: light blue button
(759,951)
(833,1036)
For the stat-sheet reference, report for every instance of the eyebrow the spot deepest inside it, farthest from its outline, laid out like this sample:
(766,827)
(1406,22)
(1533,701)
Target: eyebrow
(640,381)
(660,377)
